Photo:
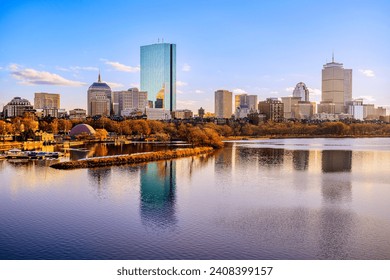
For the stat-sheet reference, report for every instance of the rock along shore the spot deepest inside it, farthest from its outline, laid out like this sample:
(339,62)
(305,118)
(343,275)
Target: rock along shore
(131,159)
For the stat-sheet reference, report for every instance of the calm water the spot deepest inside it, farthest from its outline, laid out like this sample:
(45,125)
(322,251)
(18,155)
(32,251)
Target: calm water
(265,199)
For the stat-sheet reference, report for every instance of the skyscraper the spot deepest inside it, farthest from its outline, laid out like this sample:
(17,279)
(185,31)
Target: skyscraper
(99,99)
(336,87)
(158,71)
(223,103)
(301,91)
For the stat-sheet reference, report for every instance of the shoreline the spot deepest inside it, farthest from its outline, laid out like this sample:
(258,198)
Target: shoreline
(267,137)
(131,159)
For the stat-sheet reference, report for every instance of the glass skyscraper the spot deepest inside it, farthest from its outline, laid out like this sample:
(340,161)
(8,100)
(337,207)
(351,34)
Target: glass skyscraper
(158,73)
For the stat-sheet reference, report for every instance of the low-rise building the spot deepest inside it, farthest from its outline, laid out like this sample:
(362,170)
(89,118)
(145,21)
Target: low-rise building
(182,114)
(355,108)
(77,114)
(157,114)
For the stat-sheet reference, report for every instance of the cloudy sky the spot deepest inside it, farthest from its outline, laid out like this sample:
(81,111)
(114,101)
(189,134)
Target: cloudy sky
(258,47)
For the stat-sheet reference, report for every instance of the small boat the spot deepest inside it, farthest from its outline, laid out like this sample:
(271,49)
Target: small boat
(53,154)
(36,155)
(16,154)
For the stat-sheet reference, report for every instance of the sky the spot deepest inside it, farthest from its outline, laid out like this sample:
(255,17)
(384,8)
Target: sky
(256,47)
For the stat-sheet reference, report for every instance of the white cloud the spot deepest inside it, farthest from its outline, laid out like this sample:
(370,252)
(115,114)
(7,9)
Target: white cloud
(314,91)
(239,91)
(114,85)
(13,67)
(198,91)
(290,89)
(179,91)
(367,72)
(366,98)
(121,67)
(274,92)
(186,68)
(29,76)
(181,84)
(134,85)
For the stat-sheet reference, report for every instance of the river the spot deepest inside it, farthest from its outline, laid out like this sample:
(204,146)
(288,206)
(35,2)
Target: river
(260,199)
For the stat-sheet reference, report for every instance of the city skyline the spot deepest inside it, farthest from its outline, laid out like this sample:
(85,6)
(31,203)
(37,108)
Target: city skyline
(262,49)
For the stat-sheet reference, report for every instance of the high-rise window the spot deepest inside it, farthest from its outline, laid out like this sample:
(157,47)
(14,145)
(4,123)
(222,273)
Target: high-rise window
(158,72)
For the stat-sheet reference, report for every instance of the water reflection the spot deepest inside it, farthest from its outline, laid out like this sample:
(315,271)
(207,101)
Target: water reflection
(300,159)
(224,159)
(100,177)
(336,187)
(336,230)
(270,157)
(158,187)
(336,161)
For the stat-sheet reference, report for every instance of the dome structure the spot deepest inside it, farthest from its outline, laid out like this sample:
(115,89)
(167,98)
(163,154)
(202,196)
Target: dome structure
(17,107)
(19,101)
(82,129)
(99,85)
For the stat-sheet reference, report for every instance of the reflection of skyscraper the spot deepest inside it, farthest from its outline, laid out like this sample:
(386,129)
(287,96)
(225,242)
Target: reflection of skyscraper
(99,178)
(336,187)
(269,157)
(158,71)
(336,228)
(336,161)
(158,186)
(300,159)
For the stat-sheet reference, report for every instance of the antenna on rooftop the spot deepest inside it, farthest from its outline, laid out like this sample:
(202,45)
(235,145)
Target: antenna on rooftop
(158,40)
(332,56)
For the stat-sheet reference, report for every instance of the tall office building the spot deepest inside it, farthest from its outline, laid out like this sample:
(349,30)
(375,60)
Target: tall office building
(223,104)
(336,87)
(99,99)
(158,72)
(301,91)
(129,100)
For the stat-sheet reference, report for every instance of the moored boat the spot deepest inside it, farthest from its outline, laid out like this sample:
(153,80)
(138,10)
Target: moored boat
(16,154)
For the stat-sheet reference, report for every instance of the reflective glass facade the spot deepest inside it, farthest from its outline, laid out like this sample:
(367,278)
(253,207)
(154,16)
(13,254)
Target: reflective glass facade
(158,71)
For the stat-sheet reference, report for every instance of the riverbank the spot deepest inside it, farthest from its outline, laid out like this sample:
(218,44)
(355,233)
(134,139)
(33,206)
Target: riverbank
(131,159)
(248,138)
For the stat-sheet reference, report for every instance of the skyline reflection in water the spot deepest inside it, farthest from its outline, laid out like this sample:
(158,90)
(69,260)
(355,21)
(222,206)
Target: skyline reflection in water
(250,200)
(157,189)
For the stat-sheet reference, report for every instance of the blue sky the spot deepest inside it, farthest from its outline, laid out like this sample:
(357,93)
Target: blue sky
(259,47)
